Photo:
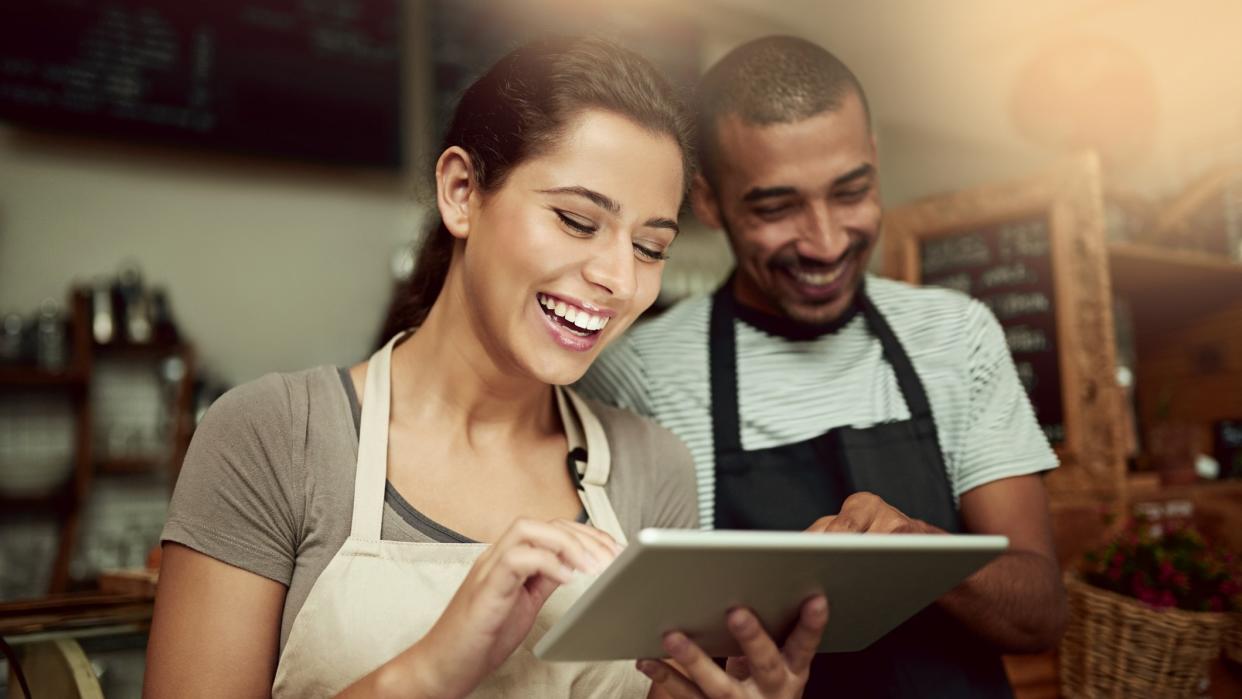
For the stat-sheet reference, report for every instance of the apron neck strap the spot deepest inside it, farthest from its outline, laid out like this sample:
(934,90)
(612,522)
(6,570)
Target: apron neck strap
(722,349)
(372,470)
(583,427)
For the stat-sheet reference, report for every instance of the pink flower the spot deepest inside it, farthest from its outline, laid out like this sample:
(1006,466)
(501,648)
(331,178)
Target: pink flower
(1167,599)
(1216,604)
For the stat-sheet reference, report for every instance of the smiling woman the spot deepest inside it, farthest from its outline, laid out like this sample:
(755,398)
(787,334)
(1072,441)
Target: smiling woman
(405,523)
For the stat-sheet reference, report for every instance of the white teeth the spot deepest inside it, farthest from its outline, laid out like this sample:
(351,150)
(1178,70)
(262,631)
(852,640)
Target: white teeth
(588,322)
(818,279)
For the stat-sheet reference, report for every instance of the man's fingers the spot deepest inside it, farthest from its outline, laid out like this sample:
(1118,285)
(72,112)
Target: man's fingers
(803,641)
(767,665)
(703,671)
(821,524)
(670,681)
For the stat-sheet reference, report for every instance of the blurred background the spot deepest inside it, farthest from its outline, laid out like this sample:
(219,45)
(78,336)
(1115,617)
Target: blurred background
(193,195)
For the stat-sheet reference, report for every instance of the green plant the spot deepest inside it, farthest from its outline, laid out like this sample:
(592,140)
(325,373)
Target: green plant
(1167,564)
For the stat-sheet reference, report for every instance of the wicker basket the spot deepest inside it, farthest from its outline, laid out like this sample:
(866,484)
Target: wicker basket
(1233,639)
(1116,646)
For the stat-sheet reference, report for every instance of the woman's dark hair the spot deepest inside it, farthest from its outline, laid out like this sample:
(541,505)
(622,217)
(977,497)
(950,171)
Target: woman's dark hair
(519,109)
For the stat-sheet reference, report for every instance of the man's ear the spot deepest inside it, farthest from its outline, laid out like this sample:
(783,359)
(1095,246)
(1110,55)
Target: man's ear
(455,190)
(703,201)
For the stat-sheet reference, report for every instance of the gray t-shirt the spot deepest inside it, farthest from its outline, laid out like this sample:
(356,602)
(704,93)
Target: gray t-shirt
(268,482)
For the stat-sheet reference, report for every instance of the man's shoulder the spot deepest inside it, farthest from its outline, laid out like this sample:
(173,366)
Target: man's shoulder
(673,330)
(913,308)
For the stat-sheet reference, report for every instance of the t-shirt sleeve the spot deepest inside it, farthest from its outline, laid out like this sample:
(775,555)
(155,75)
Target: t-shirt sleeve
(674,503)
(236,499)
(618,377)
(1001,438)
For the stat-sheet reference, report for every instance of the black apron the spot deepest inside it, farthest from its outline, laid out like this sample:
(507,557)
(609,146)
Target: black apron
(789,487)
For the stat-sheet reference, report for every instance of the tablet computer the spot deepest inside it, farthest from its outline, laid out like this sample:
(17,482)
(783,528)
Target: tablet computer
(687,580)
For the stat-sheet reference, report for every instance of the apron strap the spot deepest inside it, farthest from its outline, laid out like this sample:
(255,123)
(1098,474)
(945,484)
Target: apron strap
(372,468)
(598,462)
(907,379)
(722,366)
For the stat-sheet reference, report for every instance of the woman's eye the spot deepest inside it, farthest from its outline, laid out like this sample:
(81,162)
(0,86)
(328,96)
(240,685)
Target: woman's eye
(577,224)
(650,253)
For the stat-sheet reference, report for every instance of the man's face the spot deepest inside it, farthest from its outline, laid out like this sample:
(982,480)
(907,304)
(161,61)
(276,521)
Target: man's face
(801,204)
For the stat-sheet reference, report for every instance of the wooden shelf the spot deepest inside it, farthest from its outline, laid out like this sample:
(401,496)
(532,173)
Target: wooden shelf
(131,465)
(1167,288)
(20,376)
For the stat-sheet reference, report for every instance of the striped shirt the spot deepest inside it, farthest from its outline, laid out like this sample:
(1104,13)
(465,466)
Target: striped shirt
(792,390)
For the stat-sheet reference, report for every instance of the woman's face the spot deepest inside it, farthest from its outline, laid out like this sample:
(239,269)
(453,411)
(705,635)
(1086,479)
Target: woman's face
(569,250)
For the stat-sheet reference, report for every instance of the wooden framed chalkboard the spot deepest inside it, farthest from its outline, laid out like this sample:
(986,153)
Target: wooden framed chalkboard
(1034,251)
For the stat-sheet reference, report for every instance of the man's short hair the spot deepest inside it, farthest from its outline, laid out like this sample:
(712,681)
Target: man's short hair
(773,80)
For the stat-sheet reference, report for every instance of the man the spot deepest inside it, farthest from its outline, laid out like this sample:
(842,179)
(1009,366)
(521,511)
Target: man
(813,395)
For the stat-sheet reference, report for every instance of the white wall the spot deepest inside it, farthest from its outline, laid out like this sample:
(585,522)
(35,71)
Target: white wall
(268,266)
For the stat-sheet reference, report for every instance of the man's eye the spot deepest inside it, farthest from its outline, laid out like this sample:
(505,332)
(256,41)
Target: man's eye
(852,194)
(579,225)
(770,211)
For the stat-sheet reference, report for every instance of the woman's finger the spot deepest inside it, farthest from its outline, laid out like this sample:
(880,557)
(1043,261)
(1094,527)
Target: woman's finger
(600,543)
(803,641)
(702,670)
(572,547)
(517,564)
(767,665)
(669,680)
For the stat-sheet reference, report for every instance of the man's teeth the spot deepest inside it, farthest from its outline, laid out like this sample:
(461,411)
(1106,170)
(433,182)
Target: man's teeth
(817,278)
(573,314)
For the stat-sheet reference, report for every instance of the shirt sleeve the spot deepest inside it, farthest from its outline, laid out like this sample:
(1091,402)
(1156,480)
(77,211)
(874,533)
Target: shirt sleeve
(1001,438)
(617,377)
(235,497)
(674,503)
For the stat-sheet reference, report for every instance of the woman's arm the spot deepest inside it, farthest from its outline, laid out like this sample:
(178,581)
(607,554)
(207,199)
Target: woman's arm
(216,629)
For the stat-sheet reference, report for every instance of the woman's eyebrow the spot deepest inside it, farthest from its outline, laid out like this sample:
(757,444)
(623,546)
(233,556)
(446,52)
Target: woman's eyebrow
(663,223)
(600,200)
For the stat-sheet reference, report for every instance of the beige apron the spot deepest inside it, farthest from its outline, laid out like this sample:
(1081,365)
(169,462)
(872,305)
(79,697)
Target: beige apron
(376,598)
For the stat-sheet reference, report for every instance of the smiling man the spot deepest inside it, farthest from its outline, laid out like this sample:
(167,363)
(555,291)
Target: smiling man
(815,396)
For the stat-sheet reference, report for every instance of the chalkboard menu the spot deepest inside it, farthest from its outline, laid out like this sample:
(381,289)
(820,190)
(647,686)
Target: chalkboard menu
(468,36)
(1008,267)
(308,79)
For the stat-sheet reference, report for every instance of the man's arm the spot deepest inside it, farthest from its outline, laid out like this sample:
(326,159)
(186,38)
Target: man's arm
(1016,602)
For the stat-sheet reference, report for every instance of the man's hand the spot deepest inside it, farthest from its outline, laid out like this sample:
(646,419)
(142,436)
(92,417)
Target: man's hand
(764,672)
(866,513)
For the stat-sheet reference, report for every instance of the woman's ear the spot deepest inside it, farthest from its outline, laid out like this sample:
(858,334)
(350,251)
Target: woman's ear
(703,201)
(455,190)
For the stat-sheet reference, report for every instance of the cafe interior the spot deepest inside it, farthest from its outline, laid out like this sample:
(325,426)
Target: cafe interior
(184,208)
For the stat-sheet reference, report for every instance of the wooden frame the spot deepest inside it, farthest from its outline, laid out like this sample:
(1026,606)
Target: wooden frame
(1070,196)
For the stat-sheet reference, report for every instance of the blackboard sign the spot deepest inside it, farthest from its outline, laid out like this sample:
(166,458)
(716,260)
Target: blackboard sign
(1008,267)
(310,79)
(1034,250)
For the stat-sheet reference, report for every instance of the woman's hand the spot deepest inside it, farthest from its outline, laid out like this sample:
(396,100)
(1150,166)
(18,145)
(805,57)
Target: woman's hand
(496,605)
(764,671)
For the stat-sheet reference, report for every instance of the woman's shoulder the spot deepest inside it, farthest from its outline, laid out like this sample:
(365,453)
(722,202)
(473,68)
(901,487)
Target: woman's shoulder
(277,404)
(629,431)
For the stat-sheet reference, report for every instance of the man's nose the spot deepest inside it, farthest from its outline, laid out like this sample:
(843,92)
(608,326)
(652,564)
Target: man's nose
(823,236)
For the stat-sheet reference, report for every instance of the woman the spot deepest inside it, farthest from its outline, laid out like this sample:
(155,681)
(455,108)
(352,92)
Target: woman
(322,538)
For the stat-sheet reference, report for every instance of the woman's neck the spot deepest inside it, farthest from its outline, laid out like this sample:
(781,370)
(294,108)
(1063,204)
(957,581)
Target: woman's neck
(444,376)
